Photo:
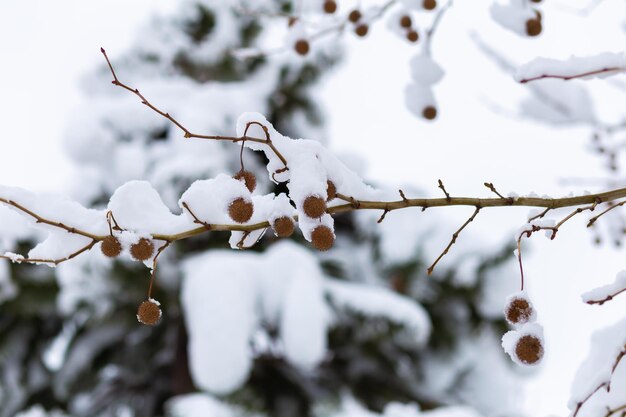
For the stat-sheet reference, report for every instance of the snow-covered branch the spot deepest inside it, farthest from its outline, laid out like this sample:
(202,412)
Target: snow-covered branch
(601,65)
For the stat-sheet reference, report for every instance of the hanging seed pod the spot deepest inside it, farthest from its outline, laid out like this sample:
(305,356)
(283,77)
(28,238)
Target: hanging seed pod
(519,310)
(405,21)
(354,16)
(429,4)
(412,36)
(240,210)
(322,238)
(302,47)
(529,350)
(142,250)
(248,178)
(534,26)
(314,206)
(330,6)
(149,312)
(283,226)
(361,30)
(111,247)
(429,112)
(331,190)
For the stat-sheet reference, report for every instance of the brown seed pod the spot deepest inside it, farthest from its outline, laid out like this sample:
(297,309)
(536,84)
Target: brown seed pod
(355,16)
(142,250)
(330,6)
(111,246)
(361,30)
(322,238)
(429,112)
(331,190)
(248,178)
(533,27)
(302,47)
(529,349)
(291,21)
(240,210)
(518,311)
(149,312)
(429,4)
(412,36)
(314,206)
(405,21)
(283,226)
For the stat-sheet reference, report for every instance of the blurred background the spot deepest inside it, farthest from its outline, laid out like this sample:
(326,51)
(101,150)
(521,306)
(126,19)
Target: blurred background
(69,342)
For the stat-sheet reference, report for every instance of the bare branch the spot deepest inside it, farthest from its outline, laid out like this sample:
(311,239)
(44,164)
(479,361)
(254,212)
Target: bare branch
(493,189)
(443,189)
(455,235)
(600,71)
(187,132)
(604,384)
(612,206)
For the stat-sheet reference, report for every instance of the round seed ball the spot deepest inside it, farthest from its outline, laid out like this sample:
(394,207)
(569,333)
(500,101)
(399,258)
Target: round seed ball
(533,27)
(429,4)
(142,250)
(314,206)
(248,178)
(111,246)
(330,6)
(361,30)
(405,21)
(322,238)
(302,47)
(518,311)
(149,312)
(331,190)
(529,349)
(429,112)
(354,16)
(283,226)
(412,36)
(240,210)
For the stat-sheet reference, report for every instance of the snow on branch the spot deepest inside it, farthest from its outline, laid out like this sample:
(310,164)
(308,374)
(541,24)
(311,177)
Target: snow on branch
(607,292)
(598,386)
(138,225)
(601,65)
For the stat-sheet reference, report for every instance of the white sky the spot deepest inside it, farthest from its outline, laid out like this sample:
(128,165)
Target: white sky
(47,45)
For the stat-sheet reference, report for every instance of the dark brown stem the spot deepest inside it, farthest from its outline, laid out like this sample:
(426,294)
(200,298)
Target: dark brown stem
(187,132)
(571,77)
(455,235)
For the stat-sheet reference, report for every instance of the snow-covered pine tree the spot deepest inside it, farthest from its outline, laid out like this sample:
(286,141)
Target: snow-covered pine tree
(279,331)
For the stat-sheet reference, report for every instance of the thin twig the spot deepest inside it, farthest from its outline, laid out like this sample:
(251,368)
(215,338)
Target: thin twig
(443,189)
(206,225)
(607,298)
(51,261)
(430,33)
(154,266)
(455,235)
(187,132)
(595,218)
(493,189)
(571,77)
(604,384)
